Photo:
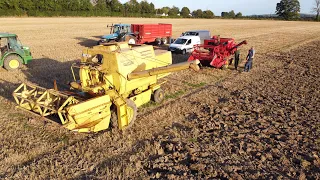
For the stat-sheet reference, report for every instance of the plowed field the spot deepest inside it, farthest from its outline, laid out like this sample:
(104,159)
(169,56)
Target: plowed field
(213,124)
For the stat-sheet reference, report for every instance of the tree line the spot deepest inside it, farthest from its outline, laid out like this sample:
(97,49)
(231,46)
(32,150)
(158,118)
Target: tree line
(132,8)
(285,9)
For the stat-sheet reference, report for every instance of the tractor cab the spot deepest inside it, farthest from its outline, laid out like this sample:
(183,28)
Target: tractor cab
(12,53)
(117,33)
(121,28)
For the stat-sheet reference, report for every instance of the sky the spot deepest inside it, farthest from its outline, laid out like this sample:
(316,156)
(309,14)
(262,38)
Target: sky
(246,7)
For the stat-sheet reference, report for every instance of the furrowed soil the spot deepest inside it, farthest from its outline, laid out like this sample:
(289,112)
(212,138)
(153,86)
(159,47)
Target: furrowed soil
(222,124)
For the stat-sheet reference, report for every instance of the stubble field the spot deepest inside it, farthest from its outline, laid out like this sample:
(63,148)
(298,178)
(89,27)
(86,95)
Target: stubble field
(214,124)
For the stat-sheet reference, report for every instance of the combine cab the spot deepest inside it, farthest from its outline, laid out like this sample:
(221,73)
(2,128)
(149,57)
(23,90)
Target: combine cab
(216,51)
(112,82)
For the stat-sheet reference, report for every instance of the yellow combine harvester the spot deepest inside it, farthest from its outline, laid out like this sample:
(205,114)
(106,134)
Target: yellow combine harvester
(113,81)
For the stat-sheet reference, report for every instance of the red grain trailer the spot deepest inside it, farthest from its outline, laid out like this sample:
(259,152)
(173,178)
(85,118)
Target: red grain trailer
(150,33)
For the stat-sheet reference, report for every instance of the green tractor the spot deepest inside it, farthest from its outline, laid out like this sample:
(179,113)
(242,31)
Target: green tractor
(12,53)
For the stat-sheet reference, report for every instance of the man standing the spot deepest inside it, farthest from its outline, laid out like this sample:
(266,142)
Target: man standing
(236,59)
(249,59)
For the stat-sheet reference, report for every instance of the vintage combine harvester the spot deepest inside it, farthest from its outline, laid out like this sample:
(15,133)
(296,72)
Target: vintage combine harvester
(113,81)
(216,51)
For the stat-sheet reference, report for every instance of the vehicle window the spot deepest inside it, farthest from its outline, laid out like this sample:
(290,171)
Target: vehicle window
(191,34)
(189,42)
(13,42)
(3,42)
(98,58)
(180,41)
(116,29)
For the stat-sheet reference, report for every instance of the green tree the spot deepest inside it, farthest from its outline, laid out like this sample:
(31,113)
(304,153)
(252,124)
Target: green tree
(174,11)
(197,13)
(185,11)
(224,14)
(166,10)
(101,5)
(12,4)
(134,6)
(208,14)
(74,5)
(239,15)
(231,14)
(152,8)
(288,9)
(85,5)
(114,5)
(27,5)
(316,9)
(145,7)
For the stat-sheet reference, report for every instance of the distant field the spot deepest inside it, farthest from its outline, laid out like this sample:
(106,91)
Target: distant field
(32,149)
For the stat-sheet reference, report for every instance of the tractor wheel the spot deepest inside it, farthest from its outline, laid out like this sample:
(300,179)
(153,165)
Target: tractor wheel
(164,41)
(184,52)
(132,111)
(132,41)
(12,62)
(158,96)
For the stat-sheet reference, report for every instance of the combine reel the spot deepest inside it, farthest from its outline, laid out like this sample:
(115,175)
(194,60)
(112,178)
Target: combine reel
(44,102)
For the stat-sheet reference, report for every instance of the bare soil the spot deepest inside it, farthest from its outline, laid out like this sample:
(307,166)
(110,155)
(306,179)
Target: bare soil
(214,124)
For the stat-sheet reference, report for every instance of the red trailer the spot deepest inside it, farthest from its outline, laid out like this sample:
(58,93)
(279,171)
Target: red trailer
(149,33)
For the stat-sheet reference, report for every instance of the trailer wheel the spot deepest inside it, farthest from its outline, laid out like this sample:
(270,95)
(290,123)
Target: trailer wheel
(12,62)
(132,111)
(158,96)
(164,41)
(158,41)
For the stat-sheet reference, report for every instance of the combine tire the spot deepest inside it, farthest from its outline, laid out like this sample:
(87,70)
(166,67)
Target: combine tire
(158,96)
(12,62)
(132,111)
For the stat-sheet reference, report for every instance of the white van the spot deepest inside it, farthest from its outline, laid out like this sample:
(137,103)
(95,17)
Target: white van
(203,34)
(184,44)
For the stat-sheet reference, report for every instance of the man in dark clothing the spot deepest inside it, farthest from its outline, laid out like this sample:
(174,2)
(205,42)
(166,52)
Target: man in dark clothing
(249,59)
(236,59)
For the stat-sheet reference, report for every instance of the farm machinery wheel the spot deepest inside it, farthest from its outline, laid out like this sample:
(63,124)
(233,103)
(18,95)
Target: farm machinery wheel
(224,67)
(131,39)
(12,62)
(158,42)
(132,111)
(158,96)
(164,41)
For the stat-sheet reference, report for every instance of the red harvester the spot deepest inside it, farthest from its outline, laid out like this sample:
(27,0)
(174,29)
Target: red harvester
(215,51)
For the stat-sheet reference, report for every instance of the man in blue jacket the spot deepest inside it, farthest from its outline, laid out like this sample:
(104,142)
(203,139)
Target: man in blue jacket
(249,59)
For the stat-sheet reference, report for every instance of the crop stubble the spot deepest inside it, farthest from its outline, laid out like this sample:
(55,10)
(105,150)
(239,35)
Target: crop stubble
(37,150)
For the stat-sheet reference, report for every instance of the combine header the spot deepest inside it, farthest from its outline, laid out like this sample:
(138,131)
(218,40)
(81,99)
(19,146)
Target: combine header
(216,51)
(113,81)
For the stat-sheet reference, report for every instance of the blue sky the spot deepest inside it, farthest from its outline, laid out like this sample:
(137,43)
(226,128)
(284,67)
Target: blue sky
(247,7)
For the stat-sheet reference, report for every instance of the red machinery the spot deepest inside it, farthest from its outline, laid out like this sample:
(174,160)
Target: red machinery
(215,51)
(147,33)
